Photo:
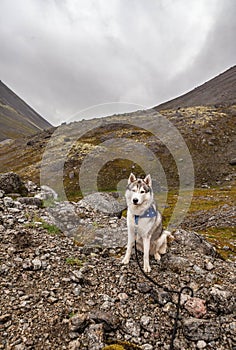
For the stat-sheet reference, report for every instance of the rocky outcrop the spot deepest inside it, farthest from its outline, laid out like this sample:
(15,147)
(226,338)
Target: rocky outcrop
(12,183)
(107,203)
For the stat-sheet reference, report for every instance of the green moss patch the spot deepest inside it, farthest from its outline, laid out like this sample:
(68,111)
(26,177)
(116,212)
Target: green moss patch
(223,238)
(74,261)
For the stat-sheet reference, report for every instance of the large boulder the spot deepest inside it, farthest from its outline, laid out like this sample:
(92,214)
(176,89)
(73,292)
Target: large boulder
(12,183)
(107,203)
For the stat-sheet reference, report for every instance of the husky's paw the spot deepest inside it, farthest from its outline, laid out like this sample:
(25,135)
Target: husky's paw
(146,268)
(125,260)
(162,249)
(157,256)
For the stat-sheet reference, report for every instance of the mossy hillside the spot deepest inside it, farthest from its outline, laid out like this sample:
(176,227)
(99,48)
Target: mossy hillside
(204,141)
(205,200)
(208,132)
(22,159)
(223,238)
(215,198)
(21,126)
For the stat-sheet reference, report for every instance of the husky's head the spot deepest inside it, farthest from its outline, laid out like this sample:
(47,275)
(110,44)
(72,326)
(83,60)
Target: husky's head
(139,191)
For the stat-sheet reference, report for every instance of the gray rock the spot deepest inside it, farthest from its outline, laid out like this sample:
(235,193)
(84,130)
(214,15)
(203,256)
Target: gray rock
(209,266)
(123,296)
(31,186)
(79,322)
(46,193)
(104,202)
(4,318)
(107,305)
(74,345)
(4,269)
(146,323)
(144,287)
(22,239)
(147,347)
(220,294)
(132,328)
(12,183)
(201,344)
(20,346)
(195,329)
(232,161)
(95,335)
(109,321)
(77,290)
(177,264)
(161,298)
(8,202)
(27,264)
(31,201)
(195,242)
(64,216)
(37,264)
(71,175)
(76,276)
(208,131)
(52,300)
(223,301)
(198,270)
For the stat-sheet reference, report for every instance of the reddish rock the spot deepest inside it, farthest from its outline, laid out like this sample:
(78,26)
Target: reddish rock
(196,307)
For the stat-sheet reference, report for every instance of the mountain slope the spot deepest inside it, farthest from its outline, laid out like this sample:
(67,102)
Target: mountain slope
(220,90)
(17,119)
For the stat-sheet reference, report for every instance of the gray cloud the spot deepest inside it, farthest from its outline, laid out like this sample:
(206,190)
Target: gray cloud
(63,56)
(218,51)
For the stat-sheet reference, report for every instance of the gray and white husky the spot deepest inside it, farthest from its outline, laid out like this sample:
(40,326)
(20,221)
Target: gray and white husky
(144,221)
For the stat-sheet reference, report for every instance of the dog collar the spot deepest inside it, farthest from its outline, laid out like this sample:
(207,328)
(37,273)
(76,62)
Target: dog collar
(149,213)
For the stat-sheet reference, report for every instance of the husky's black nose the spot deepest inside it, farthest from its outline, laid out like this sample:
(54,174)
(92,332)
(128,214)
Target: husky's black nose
(135,200)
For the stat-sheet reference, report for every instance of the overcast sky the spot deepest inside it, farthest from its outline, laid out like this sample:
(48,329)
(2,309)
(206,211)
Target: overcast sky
(64,56)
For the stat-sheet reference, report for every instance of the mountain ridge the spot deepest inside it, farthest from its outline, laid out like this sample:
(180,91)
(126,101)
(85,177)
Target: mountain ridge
(17,118)
(220,90)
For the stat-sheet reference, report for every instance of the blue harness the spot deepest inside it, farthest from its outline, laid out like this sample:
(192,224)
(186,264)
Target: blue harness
(149,213)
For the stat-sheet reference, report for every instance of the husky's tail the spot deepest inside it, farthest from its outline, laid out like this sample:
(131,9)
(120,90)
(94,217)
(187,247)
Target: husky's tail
(168,235)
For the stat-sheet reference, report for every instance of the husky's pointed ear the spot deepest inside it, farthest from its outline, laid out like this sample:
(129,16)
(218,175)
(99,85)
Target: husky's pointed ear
(148,180)
(132,178)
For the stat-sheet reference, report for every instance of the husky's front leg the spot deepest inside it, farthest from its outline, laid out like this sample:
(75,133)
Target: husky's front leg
(146,250)
(131,239)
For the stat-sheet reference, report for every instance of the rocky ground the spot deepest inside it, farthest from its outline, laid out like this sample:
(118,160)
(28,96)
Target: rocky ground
(218,217)
(67,288)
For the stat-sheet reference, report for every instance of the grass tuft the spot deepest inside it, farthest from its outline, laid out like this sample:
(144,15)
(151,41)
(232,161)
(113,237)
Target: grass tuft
(74,261)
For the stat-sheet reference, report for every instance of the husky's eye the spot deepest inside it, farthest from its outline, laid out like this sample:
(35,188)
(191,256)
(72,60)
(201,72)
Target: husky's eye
(142,191)
(133,191)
